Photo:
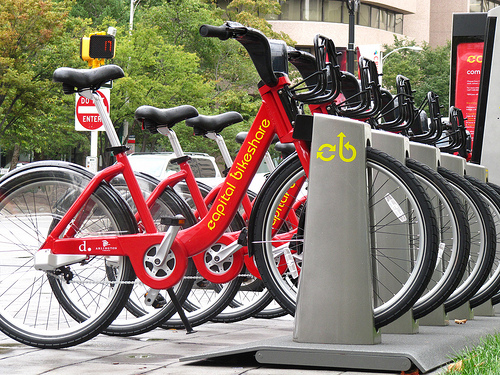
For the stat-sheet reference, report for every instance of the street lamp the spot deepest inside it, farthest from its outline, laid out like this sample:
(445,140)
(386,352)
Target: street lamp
(411,48)
(133,6)
(352,6)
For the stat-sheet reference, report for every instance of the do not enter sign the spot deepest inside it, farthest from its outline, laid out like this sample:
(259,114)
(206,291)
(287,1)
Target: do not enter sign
(86,116)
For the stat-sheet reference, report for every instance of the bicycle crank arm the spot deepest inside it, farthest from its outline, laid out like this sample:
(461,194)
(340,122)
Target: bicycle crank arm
(175,225)
(225,253)
(150,296)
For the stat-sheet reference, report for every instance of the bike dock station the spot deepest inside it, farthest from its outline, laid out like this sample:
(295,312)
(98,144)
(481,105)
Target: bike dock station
(334,324)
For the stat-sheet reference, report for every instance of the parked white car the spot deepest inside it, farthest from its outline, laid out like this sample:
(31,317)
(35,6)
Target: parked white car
(160,165)
(205,169)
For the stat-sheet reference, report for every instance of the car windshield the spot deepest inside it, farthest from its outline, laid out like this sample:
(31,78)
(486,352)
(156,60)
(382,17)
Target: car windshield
(150,164)
(263,168)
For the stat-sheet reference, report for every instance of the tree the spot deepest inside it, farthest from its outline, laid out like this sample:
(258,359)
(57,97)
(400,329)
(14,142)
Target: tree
(253,12)
(222,63)
(428,70)
(98,10)
(31,46)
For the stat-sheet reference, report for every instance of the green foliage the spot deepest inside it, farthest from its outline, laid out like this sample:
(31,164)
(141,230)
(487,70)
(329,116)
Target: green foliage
(480,360)
(252,12)
(34,40)
(166,63)
(428,70)
(98,10)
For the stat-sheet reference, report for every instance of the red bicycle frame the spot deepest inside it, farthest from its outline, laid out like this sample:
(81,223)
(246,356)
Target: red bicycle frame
(271,119)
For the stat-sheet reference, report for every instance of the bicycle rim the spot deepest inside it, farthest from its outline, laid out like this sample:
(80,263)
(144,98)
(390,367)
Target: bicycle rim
(30,312)
(397,283)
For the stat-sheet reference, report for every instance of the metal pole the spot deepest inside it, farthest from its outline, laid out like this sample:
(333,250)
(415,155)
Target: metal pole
(350,46)
(352,6)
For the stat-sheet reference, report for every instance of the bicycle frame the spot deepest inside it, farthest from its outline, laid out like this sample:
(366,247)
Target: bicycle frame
(271,119)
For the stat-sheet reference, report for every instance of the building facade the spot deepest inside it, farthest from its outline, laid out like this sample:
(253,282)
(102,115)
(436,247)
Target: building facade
(376,21)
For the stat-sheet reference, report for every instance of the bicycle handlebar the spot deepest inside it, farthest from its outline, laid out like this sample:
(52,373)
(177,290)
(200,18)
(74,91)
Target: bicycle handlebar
(256,44)
(220,32)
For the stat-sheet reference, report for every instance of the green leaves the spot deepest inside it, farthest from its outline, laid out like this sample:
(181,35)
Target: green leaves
(166,63)
(427,70)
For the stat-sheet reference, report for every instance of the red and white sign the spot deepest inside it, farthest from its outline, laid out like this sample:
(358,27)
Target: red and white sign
(86,116)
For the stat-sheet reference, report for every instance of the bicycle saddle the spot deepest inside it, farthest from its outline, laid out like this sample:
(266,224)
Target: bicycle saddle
(216,123)
(82,79)
(153,118)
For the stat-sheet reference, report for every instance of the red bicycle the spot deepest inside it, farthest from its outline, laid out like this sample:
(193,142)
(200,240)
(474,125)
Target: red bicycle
(69,239)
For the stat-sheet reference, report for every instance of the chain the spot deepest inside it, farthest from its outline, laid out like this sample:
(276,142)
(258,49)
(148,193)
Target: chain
(137,281)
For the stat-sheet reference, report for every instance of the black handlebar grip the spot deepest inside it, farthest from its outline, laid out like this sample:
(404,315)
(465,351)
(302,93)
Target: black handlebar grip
(220,32)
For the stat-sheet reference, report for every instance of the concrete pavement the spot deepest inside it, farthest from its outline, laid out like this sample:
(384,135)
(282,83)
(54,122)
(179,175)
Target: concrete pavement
(158,352)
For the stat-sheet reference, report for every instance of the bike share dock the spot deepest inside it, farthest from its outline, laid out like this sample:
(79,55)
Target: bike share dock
(334,324)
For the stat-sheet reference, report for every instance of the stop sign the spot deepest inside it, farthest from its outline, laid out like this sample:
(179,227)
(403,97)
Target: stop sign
(86,116)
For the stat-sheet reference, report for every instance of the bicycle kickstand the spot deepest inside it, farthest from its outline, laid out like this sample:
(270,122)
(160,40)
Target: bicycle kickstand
(180,311)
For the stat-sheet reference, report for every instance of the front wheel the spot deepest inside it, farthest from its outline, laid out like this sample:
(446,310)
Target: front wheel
(32,201)
(397,283)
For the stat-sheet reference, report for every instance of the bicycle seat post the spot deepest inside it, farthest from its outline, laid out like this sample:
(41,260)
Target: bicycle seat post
(106,120)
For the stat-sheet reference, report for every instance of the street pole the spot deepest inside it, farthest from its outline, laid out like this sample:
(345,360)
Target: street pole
(352,6)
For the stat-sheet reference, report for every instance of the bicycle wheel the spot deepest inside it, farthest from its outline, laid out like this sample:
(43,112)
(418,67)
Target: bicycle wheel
(454,239)
(397,285)
(271,311)
(492,283)
(137,317)
(496,297)
(32,201)
(482,242)
(250,300)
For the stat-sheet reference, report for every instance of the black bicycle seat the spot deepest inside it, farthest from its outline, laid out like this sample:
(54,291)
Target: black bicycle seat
(86,78)
(203,124)
(153,118)
(241,136)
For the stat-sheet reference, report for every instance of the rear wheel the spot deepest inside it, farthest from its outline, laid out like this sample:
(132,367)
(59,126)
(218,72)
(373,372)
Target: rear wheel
(32,201)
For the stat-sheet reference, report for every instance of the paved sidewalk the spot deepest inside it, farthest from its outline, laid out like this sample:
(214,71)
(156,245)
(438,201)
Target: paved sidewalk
(157,352)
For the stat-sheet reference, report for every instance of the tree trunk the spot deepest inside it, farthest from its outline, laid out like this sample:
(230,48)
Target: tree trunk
(15,157)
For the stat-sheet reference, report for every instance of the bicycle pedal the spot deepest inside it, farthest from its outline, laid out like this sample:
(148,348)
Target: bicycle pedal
(177,220)
(159,301)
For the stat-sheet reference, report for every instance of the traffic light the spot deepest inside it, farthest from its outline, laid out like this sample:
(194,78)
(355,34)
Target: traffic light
(97,47)
(102,46)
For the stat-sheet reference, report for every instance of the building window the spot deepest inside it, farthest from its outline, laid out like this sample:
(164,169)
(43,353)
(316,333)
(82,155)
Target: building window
(375,17)
(290,10)
(364,15)
(311,10)
(337,11)
(482,5)
(398,24)
(332,11)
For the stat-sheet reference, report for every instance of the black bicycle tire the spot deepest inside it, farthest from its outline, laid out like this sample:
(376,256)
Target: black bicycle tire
(450,279)
(486,254)
(70,174)
(496,297)
(492,284)
(397,308)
